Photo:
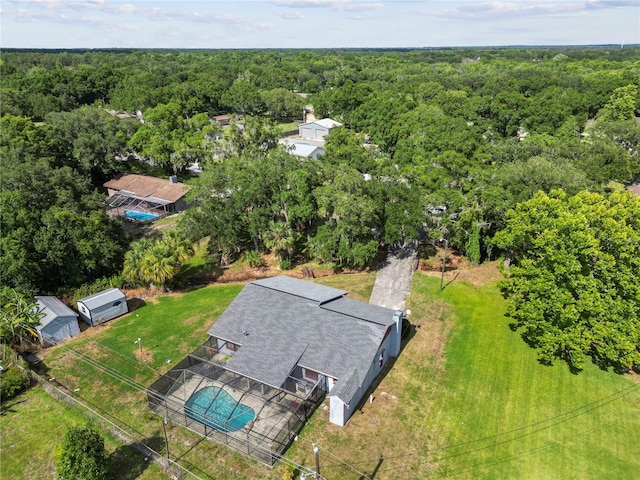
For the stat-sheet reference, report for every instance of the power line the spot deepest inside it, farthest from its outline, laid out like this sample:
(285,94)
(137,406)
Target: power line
(136,386)
(589,406)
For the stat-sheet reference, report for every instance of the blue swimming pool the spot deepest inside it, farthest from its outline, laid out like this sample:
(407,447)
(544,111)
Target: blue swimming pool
(141,216)
(215,408)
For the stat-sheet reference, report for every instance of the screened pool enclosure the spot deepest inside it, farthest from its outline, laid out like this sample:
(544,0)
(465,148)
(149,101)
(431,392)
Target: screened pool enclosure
(251,417)
(130,207)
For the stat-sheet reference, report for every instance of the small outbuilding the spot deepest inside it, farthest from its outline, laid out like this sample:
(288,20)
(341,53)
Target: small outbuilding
(317,129)
(58,322)
(102,306)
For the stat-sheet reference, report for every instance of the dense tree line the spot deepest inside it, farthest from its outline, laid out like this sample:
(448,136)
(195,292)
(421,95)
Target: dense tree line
(441,141)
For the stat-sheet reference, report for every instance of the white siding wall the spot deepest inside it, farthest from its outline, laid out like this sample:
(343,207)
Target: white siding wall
(374,371)
(337,411)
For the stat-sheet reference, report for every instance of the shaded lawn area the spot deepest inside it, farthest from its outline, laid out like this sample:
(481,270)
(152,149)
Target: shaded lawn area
(33,426)
(481,407)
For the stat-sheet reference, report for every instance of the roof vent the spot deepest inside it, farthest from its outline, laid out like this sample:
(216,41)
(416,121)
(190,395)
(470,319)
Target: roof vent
(173,179)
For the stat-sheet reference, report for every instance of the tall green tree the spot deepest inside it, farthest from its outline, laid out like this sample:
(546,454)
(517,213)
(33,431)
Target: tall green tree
(348,215)
(98,140)
(82,455)
(572,286)
(622,105)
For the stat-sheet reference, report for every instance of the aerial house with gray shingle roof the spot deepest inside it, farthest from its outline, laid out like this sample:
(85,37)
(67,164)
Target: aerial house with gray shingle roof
(278,349)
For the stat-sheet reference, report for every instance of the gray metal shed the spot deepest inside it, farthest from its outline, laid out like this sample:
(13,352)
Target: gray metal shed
(58,323)
(102,306)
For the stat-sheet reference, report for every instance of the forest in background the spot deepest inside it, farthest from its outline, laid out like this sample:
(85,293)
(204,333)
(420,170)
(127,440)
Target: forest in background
(437,141)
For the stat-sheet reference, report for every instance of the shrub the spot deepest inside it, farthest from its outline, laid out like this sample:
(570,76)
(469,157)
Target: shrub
(288,473)
(285,264)
(13,380)
(83,456)
(253,259)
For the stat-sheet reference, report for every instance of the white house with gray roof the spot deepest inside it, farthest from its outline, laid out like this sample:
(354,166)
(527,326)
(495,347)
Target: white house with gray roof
(288,333)
(318,129)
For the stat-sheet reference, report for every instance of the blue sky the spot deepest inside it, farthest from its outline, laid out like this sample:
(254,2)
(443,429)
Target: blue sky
(315,23)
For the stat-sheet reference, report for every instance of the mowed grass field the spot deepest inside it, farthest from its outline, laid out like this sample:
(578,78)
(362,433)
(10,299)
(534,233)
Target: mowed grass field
(466,399)
(32,427)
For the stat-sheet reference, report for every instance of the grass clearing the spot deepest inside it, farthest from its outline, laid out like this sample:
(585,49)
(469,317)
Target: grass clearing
(111,371)
(466,399)
(33,426)
(524,419)
(481,407)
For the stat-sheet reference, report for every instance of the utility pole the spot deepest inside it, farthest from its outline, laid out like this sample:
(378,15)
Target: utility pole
(165,420)
(315,453)
(444,260)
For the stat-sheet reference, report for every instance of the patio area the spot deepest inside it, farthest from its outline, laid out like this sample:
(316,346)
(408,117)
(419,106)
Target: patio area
(279,414)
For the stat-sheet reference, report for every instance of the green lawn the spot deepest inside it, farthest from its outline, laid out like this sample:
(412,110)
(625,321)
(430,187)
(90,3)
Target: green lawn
(33,426)
(512,417)
(466,399)
(111,372)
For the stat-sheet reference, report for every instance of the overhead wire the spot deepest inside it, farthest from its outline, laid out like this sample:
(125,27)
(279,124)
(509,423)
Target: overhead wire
(352,465)
(136,386)
(591,406)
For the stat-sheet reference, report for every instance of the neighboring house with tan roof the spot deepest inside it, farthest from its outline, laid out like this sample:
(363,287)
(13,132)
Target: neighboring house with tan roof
(144,198)
(634,188)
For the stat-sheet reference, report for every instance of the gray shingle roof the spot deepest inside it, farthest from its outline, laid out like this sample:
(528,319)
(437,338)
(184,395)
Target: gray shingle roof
(300,288)
(288,322)
(102,298)
(52,308)
(347,386)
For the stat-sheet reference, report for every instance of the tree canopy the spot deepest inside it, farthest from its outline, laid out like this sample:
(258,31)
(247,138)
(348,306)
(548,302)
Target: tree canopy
(441,141)
(573,285)
(82,455)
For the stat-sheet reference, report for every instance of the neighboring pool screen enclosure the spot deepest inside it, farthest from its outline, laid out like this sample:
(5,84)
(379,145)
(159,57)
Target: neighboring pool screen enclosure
(126,205)
(252,418)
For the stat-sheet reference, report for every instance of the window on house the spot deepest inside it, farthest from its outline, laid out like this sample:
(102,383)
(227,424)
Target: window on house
(232,346)
(310,375)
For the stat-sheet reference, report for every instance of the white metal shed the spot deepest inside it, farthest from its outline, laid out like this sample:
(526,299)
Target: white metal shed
(102,306)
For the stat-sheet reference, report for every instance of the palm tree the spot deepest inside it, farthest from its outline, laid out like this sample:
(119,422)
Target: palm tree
(19,318)
(281,239)
(158,265)
(133,260)
(181,247)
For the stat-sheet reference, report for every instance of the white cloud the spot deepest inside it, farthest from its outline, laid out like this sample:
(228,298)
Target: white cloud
(597,4)
(295,15)
(336,5)
(40,3)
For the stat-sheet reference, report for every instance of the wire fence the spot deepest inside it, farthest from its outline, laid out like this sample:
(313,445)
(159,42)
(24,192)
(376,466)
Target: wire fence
(134,439)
